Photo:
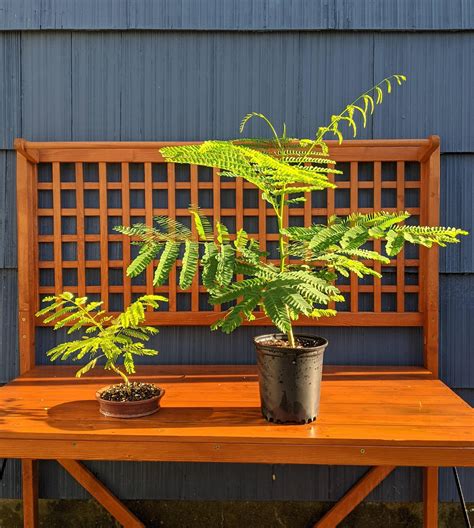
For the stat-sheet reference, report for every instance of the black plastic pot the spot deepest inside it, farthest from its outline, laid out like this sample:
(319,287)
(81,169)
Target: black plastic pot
(290,378)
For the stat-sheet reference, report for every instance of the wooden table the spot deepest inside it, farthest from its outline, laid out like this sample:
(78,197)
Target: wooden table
(368,416)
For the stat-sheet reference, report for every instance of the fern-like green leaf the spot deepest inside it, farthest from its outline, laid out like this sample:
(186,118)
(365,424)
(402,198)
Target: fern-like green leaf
(166,262)
(189,264)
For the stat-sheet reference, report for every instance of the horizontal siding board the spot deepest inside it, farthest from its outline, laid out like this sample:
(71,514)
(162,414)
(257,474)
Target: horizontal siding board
(9,357)
(198,346)
(96,86)
(46,86)
(237,15)
(457,330)
(10,92)
(193,86)
(8,234)
(437,97)
(199,86)
(457,199)
(84,14)
(20,14)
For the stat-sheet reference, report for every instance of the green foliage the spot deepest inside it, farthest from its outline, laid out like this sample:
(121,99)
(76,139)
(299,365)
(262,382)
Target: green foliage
(114,339)
(284,169)
(364,106)
(338,246)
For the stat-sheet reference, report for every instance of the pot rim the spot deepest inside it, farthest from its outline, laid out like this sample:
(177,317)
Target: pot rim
(301,350)
(128,403)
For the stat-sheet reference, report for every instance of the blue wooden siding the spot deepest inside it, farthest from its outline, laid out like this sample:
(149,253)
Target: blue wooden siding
(130,83)
(237,15)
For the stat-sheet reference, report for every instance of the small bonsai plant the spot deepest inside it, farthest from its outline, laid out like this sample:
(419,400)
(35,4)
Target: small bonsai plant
(310,258)
(113,340)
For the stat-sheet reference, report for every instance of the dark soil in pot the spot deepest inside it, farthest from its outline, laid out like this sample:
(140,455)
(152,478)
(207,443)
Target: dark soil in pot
(290,378)
(133,401)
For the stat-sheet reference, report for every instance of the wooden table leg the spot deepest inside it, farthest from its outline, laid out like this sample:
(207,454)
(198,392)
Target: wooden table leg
(29,475)
(354,496)
(430,497)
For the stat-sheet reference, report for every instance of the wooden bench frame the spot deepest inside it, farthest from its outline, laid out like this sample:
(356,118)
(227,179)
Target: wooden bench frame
(426,152)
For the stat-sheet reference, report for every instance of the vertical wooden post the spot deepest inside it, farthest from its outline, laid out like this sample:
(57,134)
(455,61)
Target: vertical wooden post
(29,475)
(27,299)
(26,252)
(431,183)
(430,497)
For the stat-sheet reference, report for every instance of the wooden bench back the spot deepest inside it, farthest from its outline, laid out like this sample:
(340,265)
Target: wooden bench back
(70,195)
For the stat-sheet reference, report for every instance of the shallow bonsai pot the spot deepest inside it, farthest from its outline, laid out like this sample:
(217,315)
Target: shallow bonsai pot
(128,409)
(290,378)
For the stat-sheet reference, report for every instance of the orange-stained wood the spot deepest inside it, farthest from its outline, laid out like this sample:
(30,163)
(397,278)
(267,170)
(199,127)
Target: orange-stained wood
(354,496)
(104,236)
(430,497)
(29,480)
(26,262)
(102,494)
(341,319)
(211,413)
(430,186)
(241,214)
(360,455)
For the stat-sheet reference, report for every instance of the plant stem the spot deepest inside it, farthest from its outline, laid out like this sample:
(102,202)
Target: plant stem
(324,130)
(120,373)
(282,243)
(280,213)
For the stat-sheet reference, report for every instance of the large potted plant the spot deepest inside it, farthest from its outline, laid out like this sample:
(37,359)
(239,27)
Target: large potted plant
(110,341)
(310,258)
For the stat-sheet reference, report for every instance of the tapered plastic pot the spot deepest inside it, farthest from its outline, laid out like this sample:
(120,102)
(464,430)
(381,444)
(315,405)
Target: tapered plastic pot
(290,378)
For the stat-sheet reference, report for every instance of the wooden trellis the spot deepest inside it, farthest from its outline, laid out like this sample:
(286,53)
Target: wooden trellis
(77,192)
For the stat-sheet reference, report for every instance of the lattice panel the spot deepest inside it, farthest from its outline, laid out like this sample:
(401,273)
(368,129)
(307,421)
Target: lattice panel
(79,203)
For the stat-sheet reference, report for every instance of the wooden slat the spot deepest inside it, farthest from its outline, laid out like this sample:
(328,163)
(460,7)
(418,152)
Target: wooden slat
(262,222)
(377,243)
(102,494)
(401,255)
(354,496)
(216,210)
(354,199)
(239,210)
(81,255)
(366,319)
(148,220)
(142,153)
(104,236)
(329,212)
(194,202)
(127,290)
(270,453)
(58,271)
(426,145)
(172,214)
(29,479)
(430,497)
